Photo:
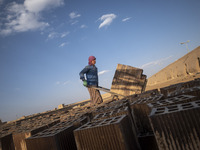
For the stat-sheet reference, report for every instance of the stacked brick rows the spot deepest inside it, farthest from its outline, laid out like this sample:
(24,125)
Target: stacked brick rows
(58,137)
(195,91)
(140,112)
(20,136)
(6,142)
(177,126)
(13,134)
(111,106)
(172,100)
(177,88)
(52,139)
(114,134)
(18,133)
(151,120)
(141,108)
(113,113)
(128,80)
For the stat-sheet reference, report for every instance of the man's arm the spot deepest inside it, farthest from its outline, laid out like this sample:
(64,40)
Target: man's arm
(85,70)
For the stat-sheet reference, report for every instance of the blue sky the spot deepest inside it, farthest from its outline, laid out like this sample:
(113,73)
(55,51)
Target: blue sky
(44,44)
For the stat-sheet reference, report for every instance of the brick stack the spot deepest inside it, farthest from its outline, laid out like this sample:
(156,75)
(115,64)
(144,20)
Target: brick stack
(173,100)
(177,126)
(128,80)
(112,133)
(20,136)
(140,111)
(147,121)
(176,89)
(58,137)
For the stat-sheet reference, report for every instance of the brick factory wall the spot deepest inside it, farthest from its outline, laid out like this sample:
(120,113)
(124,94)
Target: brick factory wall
(185,66)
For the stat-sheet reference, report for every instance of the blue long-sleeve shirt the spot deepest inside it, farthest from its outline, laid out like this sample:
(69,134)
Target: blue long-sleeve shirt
(91,75)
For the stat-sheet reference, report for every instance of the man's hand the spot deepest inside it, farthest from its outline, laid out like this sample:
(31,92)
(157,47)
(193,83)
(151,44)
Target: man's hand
(85,83)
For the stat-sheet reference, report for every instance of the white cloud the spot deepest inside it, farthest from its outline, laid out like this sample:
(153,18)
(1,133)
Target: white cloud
(83,26)
(53,35)
(64,34)
(40,5)
(65,82)
(157,62)
(103,72)
(1,2)
(73,15)
(74,22)
(63,44)
(126,19)
(58,82)
(62,83)
(106,20)
(27,16)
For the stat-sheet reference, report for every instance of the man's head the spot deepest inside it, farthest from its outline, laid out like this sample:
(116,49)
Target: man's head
(92,60)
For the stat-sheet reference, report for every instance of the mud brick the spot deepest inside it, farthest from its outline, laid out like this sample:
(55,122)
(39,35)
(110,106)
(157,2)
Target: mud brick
(6,142)
(148,99)
(140,114)
(177,88)
(113,113)
(128,80)
(80,121)
(177,127)
(58,137)
(169,89)
(118,102)
(193,83)
(149,93)
(117,112)
(110,107)
(147,141)
(173,100)
(195,91)
(113,134)
(20,136)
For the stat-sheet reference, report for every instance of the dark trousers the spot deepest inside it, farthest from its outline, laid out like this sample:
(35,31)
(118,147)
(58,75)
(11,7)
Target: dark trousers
(95,96)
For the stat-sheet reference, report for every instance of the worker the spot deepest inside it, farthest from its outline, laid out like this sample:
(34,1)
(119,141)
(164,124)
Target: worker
(91,80)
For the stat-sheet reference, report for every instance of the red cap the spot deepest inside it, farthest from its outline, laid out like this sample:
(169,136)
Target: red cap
(90,59)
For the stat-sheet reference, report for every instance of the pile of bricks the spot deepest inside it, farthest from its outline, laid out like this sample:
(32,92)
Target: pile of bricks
(177,126)
(128,80)
(113,133)
(165,120)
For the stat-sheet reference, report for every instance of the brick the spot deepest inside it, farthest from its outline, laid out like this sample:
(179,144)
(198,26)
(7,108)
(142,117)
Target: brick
(173,100)
(128,80)
(177,88)
(177,126)
(58,137)
(113,134)
(111,106)
(140,111)
(147,141)
(195,91)
(20,136)
(113,113)
(6,142)
(140,114)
